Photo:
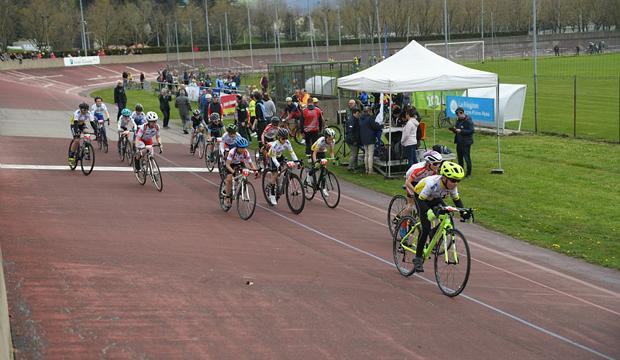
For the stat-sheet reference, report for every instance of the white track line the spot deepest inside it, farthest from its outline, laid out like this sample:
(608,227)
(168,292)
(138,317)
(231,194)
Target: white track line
(99,168)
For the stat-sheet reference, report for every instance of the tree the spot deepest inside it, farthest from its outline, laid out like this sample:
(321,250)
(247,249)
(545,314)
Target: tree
(104,22)
(8,30)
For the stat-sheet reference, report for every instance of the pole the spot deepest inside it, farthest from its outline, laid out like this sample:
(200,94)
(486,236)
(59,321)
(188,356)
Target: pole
(482,20)
(221,45)
(191,40)
(378,26)
(310,30)
(83,28)
(499,169)
(276,28)
(535,34)
(250,35)
(408,27)
(445,26)
(227,37)
(372,36)
(618,108)
(208,35)
(167,43)
(574,105)
(339,26)
(326,39)
(359,33)
(176,34)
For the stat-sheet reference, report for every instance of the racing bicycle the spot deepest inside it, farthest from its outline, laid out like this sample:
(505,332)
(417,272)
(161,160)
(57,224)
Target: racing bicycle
(199,144)
(149,167)
(102,137)
(288,184)
(125,147)
(212,153)
(396,210)
(85,153)
(326,183)
(242,191)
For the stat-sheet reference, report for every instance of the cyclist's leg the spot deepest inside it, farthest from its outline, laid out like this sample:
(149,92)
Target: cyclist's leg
(228,183)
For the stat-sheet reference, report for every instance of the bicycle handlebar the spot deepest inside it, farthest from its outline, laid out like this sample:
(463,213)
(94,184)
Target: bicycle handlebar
(466,213)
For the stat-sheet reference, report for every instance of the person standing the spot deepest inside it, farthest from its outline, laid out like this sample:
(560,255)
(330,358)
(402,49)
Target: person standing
(120,98)
(352,137)
(311,117)
(142,77)
(164,105)
(242,117)
(260,122)
(125,78)
(264,83)
(409,140)
(368,128)
(270,107)
(463,138)
(185,108)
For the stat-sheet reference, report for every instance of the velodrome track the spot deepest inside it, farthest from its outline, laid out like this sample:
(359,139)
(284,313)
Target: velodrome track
(88,276)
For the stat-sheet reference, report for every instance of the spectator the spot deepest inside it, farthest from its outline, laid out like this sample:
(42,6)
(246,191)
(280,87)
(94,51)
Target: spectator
(409,140)
(260,122)
(125,77)
(577,49)
(215,107)
(264,83)
(164,105)
(242,117)
(203,103)
(463,138)
(311,117)
(305,98)
(185,77)
(120,98)
(252,109)
(352,137)
(368,128)
(185,108)
(270,107)
(141,80)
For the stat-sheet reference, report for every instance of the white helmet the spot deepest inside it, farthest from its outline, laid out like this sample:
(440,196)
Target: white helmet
(209,96)
(433,157)
(151,116)
(329,132)
(289,99)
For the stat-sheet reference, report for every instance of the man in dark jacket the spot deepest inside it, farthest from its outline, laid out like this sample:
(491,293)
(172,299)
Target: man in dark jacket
(120,98)
(185,108)
(463,138)
(242,117)
(368,128)
(352,137)
(260,122)
(164,105)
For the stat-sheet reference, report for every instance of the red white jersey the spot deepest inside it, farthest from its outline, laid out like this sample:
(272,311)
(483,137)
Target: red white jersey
(146,134)
(419,171)
(236,158)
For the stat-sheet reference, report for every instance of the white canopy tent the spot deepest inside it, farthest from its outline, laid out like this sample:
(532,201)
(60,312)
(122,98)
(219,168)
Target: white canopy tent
(511,101)
(321,85)
(415,68)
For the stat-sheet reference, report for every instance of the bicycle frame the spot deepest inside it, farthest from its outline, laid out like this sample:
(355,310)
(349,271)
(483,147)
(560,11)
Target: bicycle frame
(445,224)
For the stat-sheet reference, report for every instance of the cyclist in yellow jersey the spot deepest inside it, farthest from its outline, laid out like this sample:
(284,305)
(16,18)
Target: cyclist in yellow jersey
(431,191)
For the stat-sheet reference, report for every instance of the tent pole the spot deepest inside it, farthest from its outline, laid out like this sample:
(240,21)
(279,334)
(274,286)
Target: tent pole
(389,165)
(434,120)
(499,169)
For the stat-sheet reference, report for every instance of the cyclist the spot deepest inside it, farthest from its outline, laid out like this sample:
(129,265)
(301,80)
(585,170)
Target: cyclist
(138,115)
(145,136)
(431,191)
(125,125)
(228,140)
(271,130)
(237,158)
(319,148)
(276,153)
(417,172)
(214,130)
(198,125)
(100,112)
(291,112)
(78,125)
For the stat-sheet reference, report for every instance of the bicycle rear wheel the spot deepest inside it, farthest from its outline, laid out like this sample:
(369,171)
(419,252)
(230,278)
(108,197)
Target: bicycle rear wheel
(330,191)
(87,158)
(395,211)
(246,200)
(452,263)
(408,233)
(73,164)
(224,202)
(221,168)
(156,175)
(294,190)
(308,183)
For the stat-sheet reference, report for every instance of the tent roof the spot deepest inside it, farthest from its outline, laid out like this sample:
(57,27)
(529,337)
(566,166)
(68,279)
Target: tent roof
(415,68)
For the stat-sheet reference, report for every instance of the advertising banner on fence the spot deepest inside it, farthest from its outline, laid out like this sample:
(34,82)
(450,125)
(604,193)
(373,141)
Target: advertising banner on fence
(481,110)
(229,103)
(82,60)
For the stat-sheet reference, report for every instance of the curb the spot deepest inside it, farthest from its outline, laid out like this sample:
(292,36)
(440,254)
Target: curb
(6,345)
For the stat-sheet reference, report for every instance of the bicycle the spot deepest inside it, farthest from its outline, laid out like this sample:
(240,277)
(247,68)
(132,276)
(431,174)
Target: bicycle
(397,207)
(327,184)
(448,245)
(242,191)
(125,147)
(289,184)
(199,144)
(212,153)
(148,166)
(85,154)
(102,137)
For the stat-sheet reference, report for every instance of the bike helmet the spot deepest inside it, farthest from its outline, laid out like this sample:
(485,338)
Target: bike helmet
(289,99)
(282,133)
(126,112)
(452,170)
(196,112)
(275,120)
(84,106)
(231,128)
(209,96)
(151,116)
(329,132)
(139,107)
(214,117)
(432,157)
(315,100)
(242,142)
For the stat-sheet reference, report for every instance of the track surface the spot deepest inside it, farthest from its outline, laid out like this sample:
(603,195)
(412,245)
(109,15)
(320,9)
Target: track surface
(89,276)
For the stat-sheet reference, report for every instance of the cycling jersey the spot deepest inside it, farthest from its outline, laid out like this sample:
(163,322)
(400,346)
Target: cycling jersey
(227,142)
(99,111)
(126,123)
(197,121)
(277,150)
(269,134)
(146,134)
(432,188)
(237,159)
(419,171)
(138,118)
(321,145)
(215,130)
(81,118)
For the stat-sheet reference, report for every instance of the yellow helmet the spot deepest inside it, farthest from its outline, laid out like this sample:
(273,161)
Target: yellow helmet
(452,170)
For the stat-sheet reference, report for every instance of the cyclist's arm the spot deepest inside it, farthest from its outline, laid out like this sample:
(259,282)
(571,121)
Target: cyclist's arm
(291,151)
(229,162)
(272,154)
(409,185)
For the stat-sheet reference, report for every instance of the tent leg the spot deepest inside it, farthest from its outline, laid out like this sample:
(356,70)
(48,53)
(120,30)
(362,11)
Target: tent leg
(499,169)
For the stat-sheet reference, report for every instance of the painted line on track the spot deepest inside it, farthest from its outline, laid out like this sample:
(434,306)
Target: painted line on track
(389,263)
(99,168)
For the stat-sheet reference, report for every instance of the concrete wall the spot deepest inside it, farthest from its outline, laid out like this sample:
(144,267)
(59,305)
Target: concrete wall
(6,345)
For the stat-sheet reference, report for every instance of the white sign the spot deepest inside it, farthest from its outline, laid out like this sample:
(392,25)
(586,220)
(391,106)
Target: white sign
(193,92)
(82,60)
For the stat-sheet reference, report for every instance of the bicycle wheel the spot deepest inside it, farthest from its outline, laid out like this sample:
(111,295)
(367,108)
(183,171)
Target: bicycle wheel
(338,136)
(294,191)
(265,185)
(156,175)
(210,159)
(395,210)
(246,200)
(141,174)
(129,153)
(201,146)
(73,164)
(308,183)
(104,140)
(224,202)
(99,140)
(121,148)
(407,233)
(452,263)
(221,168)
(330,191)
(87,159)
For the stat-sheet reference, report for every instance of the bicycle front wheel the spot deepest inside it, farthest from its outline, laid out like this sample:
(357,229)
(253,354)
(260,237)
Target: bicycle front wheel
(201,147)
(224,202)
(330,190)
(221,168)
(129,153)
(141,174)
(246,200)
(308,183)
(452,263)
(395,211)
(295,197)
(210,159)
(156,175)
(87,159)
(104,140)
(122,145)
(407,235)
(73,164)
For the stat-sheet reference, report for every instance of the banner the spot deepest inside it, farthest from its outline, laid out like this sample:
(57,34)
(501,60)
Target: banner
(229,103)
(193,92)
(429,100)
(82,60)
(481,110)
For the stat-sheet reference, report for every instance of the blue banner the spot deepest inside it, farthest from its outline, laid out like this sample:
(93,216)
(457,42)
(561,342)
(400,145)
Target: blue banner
(480,110)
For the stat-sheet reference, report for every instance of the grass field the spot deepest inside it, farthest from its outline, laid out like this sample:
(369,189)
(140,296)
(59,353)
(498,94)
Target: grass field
(597,91)
(558,193)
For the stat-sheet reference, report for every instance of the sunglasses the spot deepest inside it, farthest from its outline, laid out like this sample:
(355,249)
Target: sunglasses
(454,180)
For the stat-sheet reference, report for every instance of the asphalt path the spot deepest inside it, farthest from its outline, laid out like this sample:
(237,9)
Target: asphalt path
(100,266)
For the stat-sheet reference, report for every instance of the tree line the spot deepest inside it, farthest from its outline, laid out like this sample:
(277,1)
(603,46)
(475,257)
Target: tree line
(57,23)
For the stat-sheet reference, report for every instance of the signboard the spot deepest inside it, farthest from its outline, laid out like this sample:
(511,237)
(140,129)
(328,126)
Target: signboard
(193,92)
(429,100)
(481,110)
(82,60)
(229,103)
